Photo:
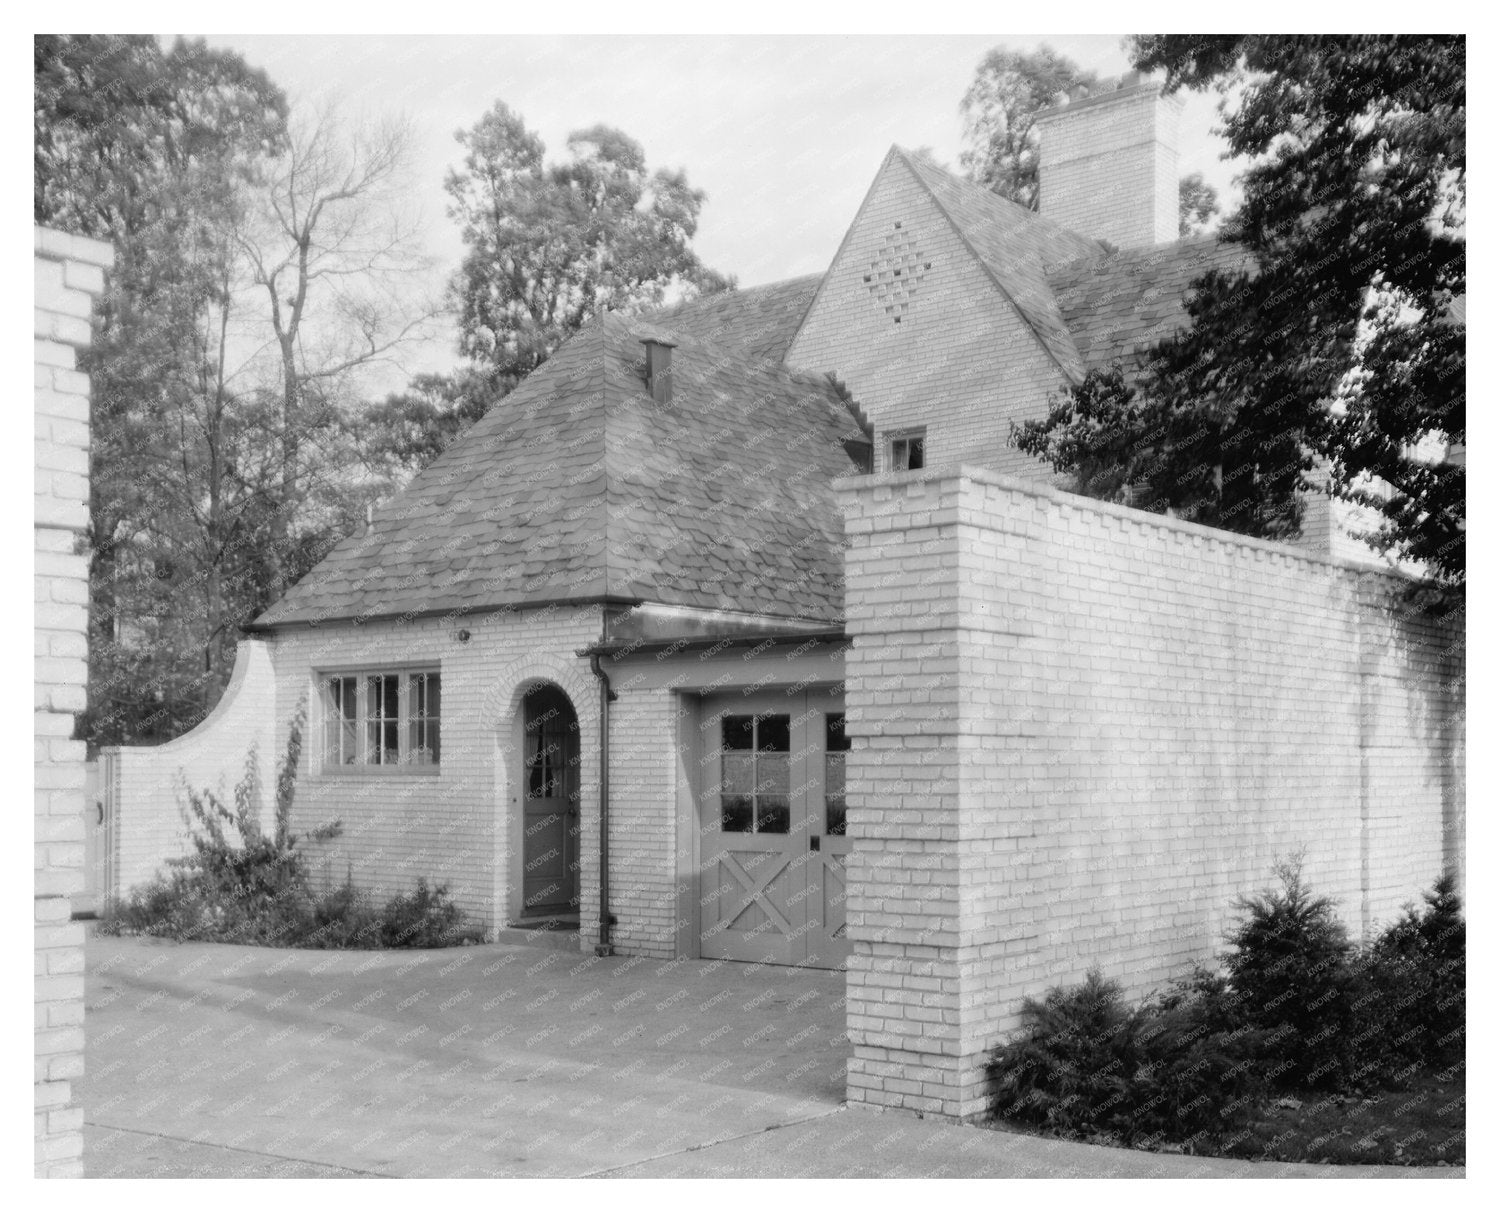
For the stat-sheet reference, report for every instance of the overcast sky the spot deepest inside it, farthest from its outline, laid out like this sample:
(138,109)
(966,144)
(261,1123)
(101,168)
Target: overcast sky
(785,134)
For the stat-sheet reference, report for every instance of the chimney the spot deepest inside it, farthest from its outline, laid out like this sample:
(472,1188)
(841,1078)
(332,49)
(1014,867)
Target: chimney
(659,366)
(1109,163)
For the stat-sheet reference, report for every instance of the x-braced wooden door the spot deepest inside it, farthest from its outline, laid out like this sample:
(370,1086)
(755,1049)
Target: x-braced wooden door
(772,841)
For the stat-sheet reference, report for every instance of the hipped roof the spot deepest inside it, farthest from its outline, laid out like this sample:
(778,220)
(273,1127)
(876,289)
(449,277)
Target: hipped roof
(578,486)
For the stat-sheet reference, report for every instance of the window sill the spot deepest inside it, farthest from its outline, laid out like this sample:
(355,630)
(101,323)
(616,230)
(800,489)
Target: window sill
(365,774)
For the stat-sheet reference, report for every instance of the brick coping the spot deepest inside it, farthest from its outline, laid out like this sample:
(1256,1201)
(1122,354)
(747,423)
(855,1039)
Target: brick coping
(850,487)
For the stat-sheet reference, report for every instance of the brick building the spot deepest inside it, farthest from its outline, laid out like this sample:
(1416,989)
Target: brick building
(743,633)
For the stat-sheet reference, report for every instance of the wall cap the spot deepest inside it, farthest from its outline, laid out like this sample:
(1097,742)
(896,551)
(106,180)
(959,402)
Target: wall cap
(61,246)
(851,488)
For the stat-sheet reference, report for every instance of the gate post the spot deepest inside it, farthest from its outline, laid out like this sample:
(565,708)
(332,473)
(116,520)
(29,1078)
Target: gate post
(940,615)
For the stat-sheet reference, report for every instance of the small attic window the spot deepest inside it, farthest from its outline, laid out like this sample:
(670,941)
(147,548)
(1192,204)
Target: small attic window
(907,450)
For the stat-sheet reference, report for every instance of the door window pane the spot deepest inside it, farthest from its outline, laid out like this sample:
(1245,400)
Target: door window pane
(739,732)
(739,774)
(773,815)
(734,813)
(773,775)
(773,734)
(755,774)
(836,748)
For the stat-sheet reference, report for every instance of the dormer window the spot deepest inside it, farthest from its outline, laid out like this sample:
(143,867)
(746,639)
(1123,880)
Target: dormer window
(907,450)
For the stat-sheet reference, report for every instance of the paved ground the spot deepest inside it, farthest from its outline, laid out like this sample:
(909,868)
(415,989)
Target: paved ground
(506,1060)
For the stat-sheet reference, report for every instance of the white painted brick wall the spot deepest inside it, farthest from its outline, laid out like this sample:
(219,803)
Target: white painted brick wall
(68,275)
(1081,731)
(458,827)
(962,361)
(1109,166)
(143,785)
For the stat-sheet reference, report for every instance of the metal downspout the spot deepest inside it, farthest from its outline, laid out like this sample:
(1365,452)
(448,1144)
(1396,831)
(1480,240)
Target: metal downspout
(604,947)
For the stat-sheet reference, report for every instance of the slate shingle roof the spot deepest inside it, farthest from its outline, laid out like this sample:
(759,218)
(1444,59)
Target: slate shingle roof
(579,486)
(1016,246)
(1117,306)
(758,322)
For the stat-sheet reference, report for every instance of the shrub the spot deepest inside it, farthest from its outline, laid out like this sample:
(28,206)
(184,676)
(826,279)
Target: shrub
(1290,972)
(343,917)
(239,884)
(1410,1006)
(426,919)
(1085,1063)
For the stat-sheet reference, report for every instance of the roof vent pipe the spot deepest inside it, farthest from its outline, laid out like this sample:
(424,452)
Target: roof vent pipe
(659,367)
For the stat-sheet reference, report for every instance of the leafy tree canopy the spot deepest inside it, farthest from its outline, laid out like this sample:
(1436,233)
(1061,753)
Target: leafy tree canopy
(1197,203)
(409,429)
(999,111)
(550,246)
(151,149)
(1342,350)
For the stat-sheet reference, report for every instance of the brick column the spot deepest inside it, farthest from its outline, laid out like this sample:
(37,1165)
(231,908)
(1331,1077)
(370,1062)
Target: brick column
(69,274)
(939,612)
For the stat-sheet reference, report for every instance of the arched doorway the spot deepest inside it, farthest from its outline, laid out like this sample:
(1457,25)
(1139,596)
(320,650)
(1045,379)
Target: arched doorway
(550,820)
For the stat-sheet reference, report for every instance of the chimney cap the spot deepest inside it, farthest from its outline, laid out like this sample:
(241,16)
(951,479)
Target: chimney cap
(1108,93)
(651,336)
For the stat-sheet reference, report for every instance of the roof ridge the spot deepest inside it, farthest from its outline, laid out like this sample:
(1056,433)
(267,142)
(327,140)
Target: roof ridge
(988,197)
(1070,373)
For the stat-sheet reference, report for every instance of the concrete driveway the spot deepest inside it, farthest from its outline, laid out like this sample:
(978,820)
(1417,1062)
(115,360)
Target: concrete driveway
(505,1060)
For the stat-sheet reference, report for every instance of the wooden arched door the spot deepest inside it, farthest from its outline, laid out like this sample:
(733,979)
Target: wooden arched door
(549,795)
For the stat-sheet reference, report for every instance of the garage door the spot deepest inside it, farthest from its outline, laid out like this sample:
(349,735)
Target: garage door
(772,842)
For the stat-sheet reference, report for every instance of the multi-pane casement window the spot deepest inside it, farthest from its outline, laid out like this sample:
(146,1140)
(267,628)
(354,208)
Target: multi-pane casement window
(382,719)
(907,451)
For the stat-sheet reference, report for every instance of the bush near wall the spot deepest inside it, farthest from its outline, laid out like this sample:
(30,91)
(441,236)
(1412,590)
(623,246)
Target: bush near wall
(239,884)
(1296,1009)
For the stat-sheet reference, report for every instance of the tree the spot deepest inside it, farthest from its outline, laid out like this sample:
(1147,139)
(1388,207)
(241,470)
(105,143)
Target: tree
(1342,350)
(1122,442)
(550,246)
(1004,152)
(333,257)
(999,110)
(409,429)
(1197,203)
(212,484)
(151,150)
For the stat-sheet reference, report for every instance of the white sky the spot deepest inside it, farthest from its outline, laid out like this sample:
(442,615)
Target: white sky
(784,133)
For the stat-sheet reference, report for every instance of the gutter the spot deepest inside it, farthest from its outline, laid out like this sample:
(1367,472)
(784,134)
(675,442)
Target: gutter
(603,946)
(618,649)
(255,627)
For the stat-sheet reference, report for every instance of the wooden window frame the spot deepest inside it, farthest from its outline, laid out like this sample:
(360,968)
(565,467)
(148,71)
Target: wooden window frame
(331,751)
(901,438)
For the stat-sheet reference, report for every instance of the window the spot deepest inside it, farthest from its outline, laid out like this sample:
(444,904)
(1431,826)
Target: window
(835,752)
(755,792)
(386,719)
(908,451)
